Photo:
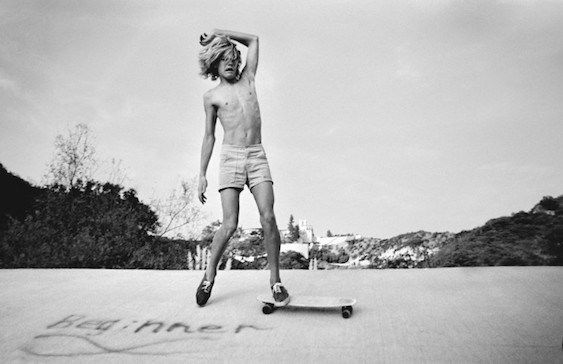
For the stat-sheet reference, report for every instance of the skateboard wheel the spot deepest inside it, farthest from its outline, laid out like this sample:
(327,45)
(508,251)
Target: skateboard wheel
(346,312)
(268,309)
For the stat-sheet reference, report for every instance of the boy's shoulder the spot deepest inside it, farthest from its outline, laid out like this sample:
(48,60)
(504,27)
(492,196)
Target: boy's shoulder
(210,94)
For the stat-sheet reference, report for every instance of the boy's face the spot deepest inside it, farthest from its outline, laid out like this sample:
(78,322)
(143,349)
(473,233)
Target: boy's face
(228,66)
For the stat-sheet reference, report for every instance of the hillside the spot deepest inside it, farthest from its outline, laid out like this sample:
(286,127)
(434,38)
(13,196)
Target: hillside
(403,251)
(524,238)
(78,228)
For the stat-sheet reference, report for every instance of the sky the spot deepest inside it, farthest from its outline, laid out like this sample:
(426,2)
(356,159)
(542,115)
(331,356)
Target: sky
(378,117)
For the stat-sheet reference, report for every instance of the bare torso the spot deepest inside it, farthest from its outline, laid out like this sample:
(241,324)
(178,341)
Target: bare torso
(237,109)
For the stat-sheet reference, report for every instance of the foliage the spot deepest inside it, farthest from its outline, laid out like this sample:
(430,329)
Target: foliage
(342,257)
(534,238)
(250,246)
(17,196)
(247,252)
(90,225)
(521,239)
(164,253)
(293,229)
(258,263)
(549,203)
(179,213)
(96,225)
(325,254)
(291,223)
(209,231)
(554,247)
(74,157)
(293,260)
(410,250)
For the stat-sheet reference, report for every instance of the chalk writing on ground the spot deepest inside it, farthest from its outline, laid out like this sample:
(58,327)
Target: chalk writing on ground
(79,335)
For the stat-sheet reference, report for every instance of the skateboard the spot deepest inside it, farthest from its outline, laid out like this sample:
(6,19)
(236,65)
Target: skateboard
(310,302)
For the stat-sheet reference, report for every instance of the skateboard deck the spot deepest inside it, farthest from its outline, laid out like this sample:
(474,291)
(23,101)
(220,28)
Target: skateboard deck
(310,302)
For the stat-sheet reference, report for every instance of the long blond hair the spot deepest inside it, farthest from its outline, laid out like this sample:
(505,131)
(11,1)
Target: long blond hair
(211,54)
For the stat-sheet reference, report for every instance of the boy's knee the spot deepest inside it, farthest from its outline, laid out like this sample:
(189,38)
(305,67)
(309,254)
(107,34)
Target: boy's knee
(229,227)
(267,219)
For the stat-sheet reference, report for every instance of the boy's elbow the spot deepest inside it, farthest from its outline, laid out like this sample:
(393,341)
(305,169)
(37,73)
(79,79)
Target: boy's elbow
(209,138)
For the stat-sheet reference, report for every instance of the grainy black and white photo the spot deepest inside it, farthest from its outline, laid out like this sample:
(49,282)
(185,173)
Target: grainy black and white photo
(281,181)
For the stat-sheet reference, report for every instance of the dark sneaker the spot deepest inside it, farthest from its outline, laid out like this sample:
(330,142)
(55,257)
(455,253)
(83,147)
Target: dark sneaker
(203,292)
(281,297)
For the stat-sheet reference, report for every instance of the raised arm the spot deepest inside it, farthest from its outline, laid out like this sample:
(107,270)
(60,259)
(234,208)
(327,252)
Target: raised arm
(249,40)
(207,145)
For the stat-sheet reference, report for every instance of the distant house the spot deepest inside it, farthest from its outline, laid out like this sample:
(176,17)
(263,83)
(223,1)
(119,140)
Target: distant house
(306,233)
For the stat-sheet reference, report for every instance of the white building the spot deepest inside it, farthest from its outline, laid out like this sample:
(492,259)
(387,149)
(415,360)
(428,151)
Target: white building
(306,233)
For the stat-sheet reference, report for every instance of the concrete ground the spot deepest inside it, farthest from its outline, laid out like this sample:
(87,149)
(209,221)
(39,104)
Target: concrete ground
(501,314)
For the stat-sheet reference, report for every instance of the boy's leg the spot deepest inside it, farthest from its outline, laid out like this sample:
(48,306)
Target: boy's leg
(230,204)
(264,195)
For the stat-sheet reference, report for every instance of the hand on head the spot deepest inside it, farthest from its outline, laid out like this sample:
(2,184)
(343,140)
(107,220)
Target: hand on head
(205,38)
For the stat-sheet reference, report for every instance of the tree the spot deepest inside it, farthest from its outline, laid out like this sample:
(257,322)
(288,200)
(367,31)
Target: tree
(179,213)
(250,245)
(73,159)
(329,234)
(114,171)
(17,196)
(342,257)
(91,225)
(209,231)
(296,232)
(290,225)
(293,229)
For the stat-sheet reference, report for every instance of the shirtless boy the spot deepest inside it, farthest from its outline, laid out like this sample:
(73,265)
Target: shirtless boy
(242,160)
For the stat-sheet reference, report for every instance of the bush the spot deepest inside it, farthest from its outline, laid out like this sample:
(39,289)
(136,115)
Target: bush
(293,260)
(549,203)
(554,244)
(17,196)
(92,225)
(163,253)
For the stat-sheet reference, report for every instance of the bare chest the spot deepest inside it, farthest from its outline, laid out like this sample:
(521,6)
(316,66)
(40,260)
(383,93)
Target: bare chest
(238,100)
